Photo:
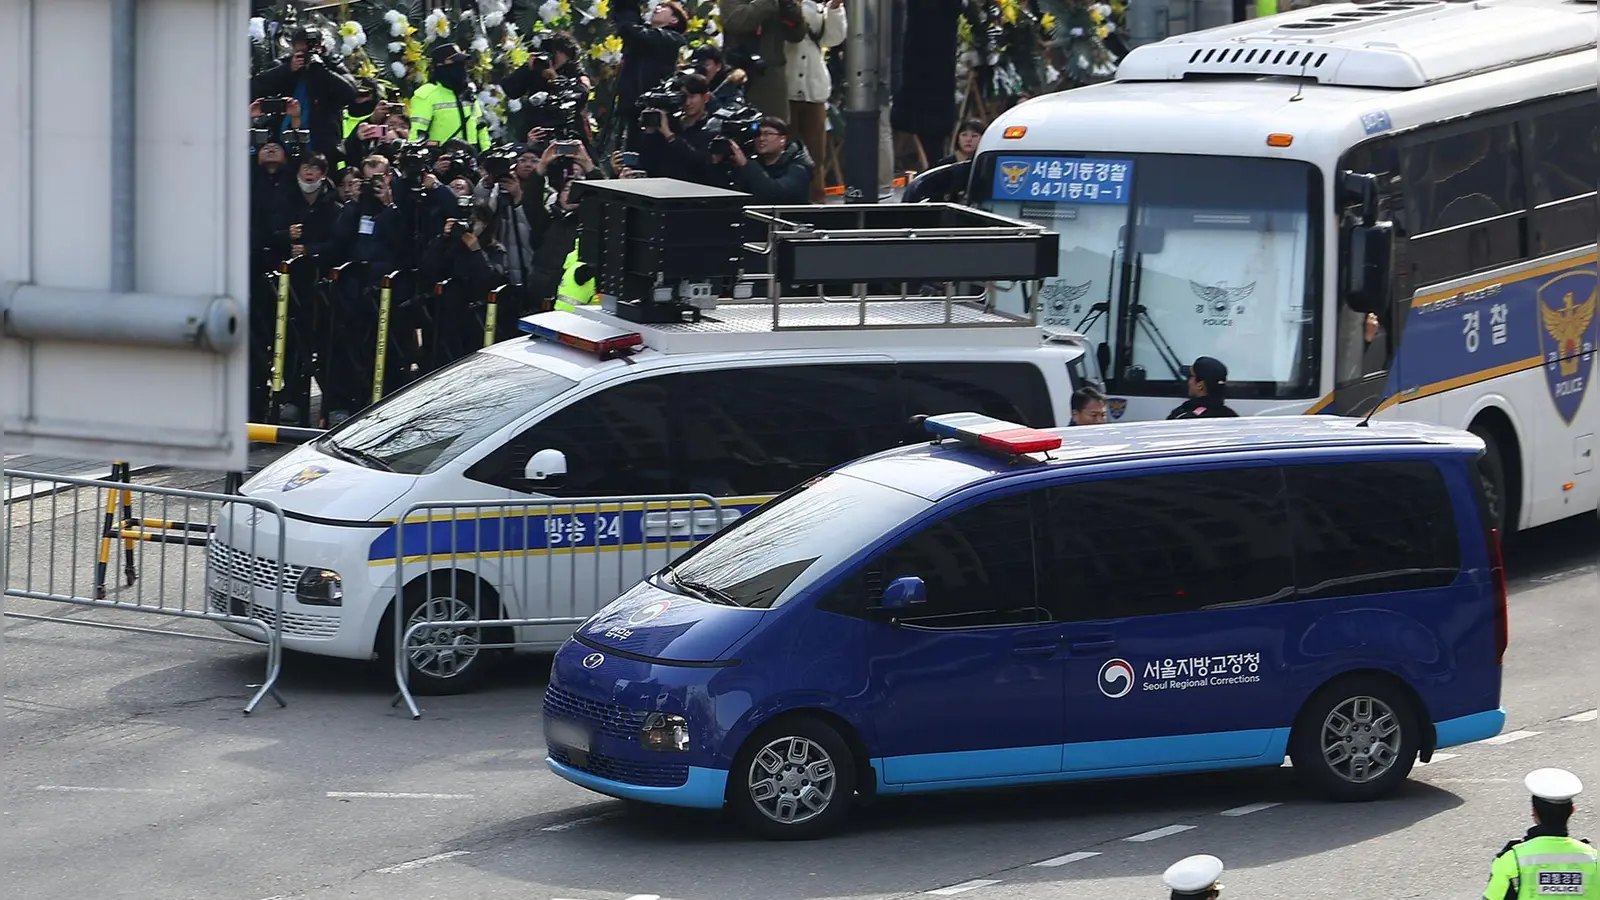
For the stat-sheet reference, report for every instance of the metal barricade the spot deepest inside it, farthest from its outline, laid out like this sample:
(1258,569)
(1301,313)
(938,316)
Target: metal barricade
(526,572)
(180,579)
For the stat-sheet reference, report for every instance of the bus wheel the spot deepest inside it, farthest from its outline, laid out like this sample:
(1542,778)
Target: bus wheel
(1356,740)
(1492,473)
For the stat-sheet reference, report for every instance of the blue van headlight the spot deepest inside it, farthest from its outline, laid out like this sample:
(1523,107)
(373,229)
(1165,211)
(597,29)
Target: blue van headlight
(666,732)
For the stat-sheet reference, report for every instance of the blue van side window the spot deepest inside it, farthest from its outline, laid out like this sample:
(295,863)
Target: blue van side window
(979,568)
(1372,527)
(1158,544)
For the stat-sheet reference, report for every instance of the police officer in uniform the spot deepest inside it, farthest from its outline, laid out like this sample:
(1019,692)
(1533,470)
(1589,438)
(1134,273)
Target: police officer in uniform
(1208,392)
(1194,878)
(1546,861)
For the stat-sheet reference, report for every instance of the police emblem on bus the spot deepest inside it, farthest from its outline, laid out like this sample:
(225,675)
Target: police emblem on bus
(304,477)
(1220,301)
(1116,678)
(1012,172)
(593,660)
(1567,340)
(1116,406)
(1059,295)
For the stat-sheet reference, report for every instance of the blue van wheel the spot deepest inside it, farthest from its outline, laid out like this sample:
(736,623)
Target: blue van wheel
(1357,739)
(794,779)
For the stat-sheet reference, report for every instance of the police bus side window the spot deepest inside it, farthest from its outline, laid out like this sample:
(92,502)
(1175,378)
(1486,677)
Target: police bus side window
(755,431)
(1367,528)
(1464,190)
(616,443)
(1561,144)
(1013,392)
(1160,544)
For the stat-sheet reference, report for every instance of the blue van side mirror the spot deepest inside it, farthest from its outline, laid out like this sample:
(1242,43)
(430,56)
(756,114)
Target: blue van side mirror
(905,591)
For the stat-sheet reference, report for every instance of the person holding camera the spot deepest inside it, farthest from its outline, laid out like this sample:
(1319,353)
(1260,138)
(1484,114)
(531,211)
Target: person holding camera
(780,172)
(469,254)
(649,54)
(446,108)
(372,231)
(307,230)
(321,85)
(677,146)
(810,84)
(755,32)
(553,89)
(727,84)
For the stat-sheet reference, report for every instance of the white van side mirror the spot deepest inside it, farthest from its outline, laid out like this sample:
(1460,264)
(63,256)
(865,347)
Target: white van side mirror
(544,465)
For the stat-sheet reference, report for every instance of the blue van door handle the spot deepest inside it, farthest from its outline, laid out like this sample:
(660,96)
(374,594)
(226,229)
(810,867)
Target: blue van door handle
(1036,649)
(1093,646)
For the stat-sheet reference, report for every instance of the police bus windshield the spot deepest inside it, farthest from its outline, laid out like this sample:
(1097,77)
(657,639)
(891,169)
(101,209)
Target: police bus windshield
(1167,257)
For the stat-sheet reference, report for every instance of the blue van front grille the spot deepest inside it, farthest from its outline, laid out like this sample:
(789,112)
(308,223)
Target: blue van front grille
(627,771)
(610,718)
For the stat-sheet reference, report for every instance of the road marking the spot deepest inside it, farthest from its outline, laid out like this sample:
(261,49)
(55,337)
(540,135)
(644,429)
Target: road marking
(1438,758)
(81,789)
(645,897)
(578,823)
(1499,739)
(425,861)
(965,886)
(1069,858)
(1472,780)
(397,795)
(1166,831)
(1248,809)
(1586,716)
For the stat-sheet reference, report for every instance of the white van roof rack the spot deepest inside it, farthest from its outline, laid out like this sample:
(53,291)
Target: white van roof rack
(1396,44)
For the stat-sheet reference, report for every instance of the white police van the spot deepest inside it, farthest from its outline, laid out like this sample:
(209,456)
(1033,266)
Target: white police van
(737,407)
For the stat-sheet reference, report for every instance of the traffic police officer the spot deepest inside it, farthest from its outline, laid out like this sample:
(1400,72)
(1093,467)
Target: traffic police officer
(1546,861)
(1208,392)
(1194,878)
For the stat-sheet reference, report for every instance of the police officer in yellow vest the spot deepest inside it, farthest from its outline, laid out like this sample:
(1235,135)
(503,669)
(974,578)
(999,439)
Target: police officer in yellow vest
(444,109)
(577,283)
(1546,861)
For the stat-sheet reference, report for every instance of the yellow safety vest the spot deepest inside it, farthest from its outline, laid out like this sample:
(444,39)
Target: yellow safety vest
(1545,865)
(350,122)
(435,117)
(571,293)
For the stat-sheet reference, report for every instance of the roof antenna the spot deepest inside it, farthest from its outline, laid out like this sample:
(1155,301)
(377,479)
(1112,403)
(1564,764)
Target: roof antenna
(1375,408)
(1300,84)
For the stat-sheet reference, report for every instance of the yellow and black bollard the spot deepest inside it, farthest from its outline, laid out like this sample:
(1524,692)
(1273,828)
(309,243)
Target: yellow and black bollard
(380,359)
(491,317)
(121,473)
(280,338)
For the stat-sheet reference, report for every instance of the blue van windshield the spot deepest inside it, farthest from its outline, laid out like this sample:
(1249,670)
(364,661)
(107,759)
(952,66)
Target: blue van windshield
(754,561)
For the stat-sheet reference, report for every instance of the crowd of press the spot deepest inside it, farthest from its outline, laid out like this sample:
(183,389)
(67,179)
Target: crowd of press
(392,235)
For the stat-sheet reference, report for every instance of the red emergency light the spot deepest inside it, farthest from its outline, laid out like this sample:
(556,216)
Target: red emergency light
(581,333)
(994,434)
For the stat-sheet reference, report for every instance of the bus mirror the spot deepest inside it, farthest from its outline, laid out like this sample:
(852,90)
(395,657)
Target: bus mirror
(1360,189)
(1367,267)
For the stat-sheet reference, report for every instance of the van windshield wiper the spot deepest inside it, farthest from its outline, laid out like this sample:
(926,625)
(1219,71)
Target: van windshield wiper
(358,456)
(707,592)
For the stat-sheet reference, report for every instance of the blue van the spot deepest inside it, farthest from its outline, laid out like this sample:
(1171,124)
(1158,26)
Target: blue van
(1009,606)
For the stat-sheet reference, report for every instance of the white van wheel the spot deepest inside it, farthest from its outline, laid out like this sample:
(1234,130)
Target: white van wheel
(447,659)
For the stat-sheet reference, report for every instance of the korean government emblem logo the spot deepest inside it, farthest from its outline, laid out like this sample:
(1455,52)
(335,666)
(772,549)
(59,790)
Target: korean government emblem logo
(1116,678)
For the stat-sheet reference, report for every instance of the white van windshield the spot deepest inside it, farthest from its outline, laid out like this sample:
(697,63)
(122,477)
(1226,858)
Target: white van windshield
(1222,262)
(756,559)
(430,422)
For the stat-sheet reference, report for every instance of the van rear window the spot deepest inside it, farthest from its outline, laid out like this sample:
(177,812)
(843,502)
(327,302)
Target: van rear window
(1371,527)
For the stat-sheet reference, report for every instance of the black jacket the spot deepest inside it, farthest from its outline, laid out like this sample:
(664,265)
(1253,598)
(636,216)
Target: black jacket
(786,181)
(549,261)
(686,158)
(329,89)
(1203,408)
(649,54)
(384,246)
(316,220)
(269,209)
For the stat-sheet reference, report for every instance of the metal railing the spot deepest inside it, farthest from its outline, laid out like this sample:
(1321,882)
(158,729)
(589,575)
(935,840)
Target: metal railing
(501,575)
(59,550)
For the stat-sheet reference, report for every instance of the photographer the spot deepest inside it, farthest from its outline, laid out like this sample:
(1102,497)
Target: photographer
(557,236)
(312,213)
(781,171)
(467,253)
(372,231)
(382,132)
(307,232)
(756,32)
(649,54)
(553,90)
(509,202)
(321,86)
(727,85)
(676,146)
(445,108)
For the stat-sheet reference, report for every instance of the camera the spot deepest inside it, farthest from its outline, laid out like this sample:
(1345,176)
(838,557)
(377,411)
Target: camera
(274,106)
(369,189)
(753,63)
(499,160)
(734,125)
(665,98)
(559,107)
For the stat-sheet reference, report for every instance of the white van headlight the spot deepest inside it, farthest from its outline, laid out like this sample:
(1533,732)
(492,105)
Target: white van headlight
(664,731)
(320,587)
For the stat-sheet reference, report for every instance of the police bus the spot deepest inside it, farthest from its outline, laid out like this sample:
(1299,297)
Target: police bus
(1384,207)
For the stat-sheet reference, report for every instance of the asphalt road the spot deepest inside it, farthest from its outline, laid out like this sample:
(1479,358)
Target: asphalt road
(130,773)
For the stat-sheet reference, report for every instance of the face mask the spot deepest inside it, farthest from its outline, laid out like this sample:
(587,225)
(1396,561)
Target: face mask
(364,109)
(453,76)
(309,187)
